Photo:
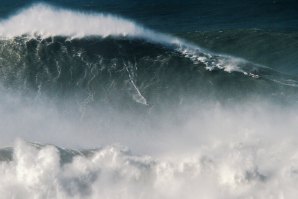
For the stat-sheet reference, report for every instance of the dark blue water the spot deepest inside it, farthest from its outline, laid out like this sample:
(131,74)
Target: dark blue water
(187,15)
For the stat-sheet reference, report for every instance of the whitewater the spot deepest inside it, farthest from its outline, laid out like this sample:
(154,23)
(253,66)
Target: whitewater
(175,134)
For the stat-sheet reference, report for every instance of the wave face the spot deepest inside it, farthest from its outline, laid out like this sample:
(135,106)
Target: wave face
(130,70)
(200,124)
(134,70)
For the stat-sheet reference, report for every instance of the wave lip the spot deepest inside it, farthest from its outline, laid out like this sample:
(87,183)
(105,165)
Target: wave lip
(46,20)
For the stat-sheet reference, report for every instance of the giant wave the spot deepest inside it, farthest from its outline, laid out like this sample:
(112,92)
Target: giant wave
(199,124)
(57,51)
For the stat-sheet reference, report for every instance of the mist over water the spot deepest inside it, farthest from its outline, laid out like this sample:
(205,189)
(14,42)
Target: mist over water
(232,151)
(96,106)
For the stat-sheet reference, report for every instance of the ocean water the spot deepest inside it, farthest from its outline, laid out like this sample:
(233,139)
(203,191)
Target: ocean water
(148,99)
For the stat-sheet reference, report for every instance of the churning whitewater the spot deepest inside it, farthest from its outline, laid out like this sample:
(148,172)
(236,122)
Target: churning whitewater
(122,111)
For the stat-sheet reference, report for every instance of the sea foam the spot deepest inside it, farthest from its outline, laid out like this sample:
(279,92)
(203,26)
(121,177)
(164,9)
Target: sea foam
(222,171)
